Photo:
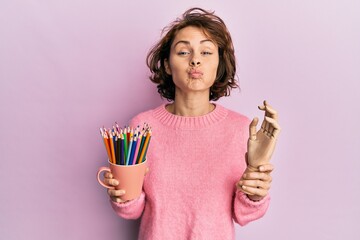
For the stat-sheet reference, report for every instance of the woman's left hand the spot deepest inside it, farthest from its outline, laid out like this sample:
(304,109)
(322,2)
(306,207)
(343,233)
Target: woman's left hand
(261,144)
(256,184)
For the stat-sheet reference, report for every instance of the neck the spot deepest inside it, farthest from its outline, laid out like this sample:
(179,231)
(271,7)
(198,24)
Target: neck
(191,106)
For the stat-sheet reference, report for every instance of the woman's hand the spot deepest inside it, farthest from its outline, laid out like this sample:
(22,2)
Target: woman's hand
(256,183)
(261,144)
(114,194)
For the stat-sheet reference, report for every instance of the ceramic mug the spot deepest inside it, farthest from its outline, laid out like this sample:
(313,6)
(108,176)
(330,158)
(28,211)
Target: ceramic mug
(130,178)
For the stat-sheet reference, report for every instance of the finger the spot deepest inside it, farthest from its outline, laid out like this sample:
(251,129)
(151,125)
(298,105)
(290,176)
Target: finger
(256,184)
(266,168)
(117,200)
(275,127)
(255,191)
(265,128)
(262,107)
(111,181)
(273,122)
(257,176)
(270,111)
(240,188)
(252,128)
(116,193)
(108,175)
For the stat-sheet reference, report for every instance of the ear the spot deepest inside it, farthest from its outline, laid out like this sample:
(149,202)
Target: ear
(167,67)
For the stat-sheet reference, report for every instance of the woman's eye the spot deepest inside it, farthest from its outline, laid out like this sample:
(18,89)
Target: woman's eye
(182,53)
(206,53)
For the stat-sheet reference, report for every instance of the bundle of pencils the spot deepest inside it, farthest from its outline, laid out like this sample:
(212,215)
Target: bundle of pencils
(126,146)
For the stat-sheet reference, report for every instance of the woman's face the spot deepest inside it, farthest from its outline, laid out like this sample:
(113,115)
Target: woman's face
(193,61)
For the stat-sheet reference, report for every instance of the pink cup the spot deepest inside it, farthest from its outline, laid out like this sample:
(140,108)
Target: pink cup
(130,177)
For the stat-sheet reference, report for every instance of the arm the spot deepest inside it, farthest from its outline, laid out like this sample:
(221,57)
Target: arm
(130,209)
(245,210)
(126,209)
(251,198)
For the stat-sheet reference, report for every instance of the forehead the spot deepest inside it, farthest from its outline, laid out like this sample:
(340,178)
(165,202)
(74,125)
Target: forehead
(192,34)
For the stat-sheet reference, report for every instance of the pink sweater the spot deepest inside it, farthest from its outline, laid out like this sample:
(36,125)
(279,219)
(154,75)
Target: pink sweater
(195,162)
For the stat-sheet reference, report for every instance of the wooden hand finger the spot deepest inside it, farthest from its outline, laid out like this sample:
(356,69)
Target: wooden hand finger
(252,128)
(275,127)
(270,111)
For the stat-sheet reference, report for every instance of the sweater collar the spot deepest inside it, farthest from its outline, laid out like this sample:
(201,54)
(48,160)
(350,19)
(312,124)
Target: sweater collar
(176,121)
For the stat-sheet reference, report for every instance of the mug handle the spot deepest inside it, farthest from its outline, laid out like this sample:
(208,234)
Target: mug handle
(98,177)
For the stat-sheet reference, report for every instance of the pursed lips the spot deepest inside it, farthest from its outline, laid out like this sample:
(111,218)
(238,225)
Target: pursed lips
(195,73)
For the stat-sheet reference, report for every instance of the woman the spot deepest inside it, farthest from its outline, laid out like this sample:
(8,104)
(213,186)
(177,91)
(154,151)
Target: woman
(206,170)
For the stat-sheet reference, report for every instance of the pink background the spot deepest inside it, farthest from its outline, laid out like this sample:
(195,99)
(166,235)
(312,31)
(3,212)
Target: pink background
(69,67)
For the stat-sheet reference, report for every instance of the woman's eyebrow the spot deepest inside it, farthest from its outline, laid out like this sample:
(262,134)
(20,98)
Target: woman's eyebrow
(188,43)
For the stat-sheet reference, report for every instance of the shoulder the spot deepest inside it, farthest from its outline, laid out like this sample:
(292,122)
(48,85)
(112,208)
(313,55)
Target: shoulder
(145,116)
(235,117)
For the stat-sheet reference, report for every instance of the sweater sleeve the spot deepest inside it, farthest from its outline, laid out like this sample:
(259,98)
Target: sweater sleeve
(130,210)
(246,210)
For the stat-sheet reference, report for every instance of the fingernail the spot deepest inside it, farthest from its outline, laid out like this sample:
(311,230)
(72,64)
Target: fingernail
(243,187)
(261,168)
(122,191)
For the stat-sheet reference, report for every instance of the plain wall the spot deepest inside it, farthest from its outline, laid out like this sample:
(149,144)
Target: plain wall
(70,67)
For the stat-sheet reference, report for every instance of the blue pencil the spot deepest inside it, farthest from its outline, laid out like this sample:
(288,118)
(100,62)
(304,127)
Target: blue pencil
(129,151)
(133,147)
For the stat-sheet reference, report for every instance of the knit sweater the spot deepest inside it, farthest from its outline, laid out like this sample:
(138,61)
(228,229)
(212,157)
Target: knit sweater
(190,191)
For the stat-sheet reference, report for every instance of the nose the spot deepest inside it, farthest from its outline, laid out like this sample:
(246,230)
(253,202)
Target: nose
(194,62)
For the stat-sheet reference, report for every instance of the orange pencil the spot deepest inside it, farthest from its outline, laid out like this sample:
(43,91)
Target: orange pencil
(106,143)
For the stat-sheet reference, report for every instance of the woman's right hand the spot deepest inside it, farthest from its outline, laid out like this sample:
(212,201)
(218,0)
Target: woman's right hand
(114,194)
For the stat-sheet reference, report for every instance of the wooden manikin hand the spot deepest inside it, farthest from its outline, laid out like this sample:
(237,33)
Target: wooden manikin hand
(261,143)
(256,180)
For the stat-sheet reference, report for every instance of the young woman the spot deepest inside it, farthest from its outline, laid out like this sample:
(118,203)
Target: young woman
(209,166)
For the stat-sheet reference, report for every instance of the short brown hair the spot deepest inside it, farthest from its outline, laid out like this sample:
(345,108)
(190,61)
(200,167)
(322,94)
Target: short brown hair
(215,28)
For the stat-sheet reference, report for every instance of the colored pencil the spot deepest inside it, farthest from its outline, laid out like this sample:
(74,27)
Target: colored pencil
(142,155)
(106,143)
(119,149)
(122,159)
(112,148)
(129,151)
(133,147)
(125,144)
(141,147)
(137,149)
(146,149)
